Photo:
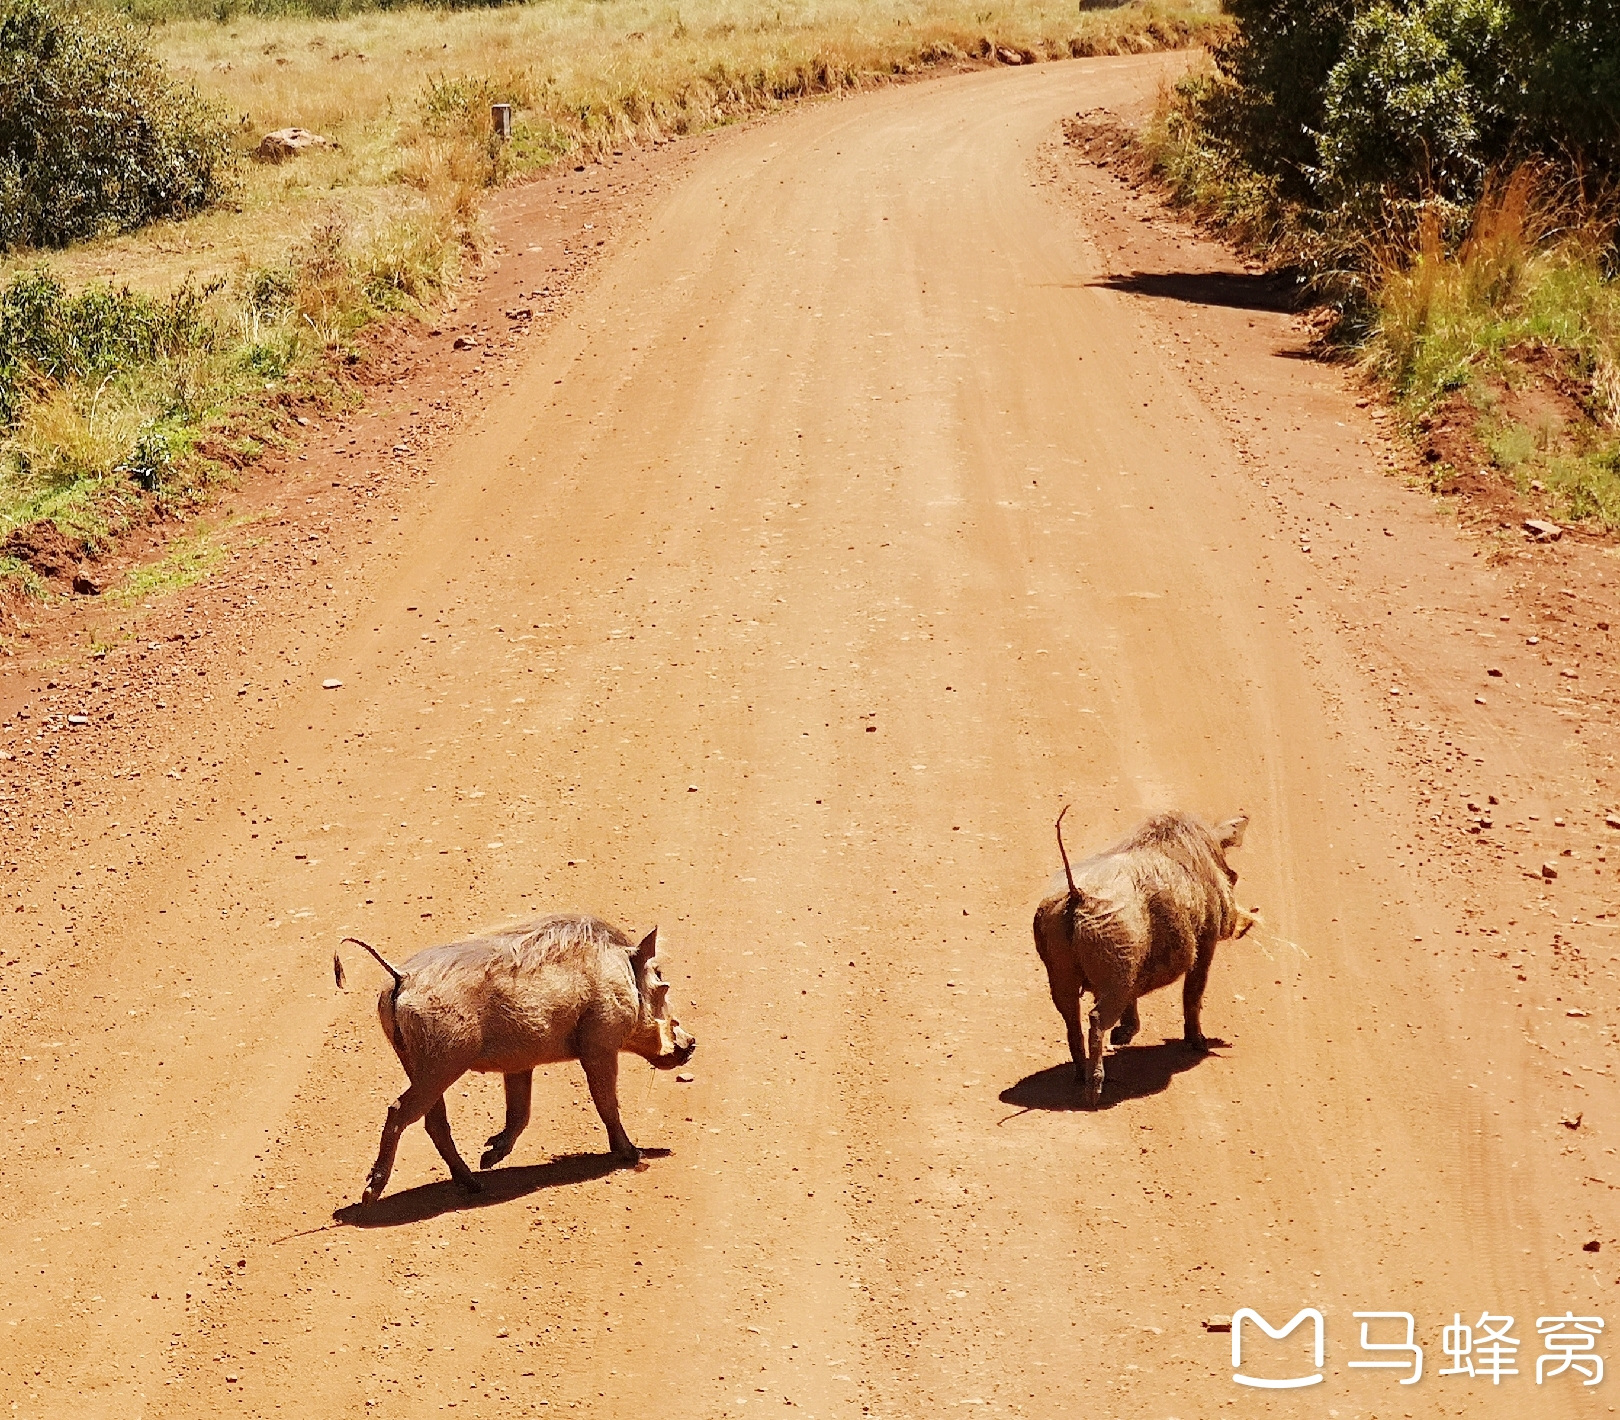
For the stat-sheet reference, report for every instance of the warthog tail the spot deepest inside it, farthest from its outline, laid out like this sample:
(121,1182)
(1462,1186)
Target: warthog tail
(1068,872)
(382,961)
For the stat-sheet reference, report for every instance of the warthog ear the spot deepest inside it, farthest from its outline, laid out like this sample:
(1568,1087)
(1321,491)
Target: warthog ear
(1230,833)
(646,951)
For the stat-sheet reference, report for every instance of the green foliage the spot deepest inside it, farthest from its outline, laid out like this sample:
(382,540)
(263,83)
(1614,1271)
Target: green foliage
(1342,102)
(1446,173)
(149,460)
(48,336)
(94,137)
(1277,64)
(1419,100)
(1571,76)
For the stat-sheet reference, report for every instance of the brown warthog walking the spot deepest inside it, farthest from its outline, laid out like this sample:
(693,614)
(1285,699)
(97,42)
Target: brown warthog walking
(555,988)
(1135,918)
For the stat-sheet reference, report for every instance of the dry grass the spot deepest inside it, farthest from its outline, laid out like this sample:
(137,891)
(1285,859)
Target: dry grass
(1523,266)
(1522,297)
(386,219)
(585,76)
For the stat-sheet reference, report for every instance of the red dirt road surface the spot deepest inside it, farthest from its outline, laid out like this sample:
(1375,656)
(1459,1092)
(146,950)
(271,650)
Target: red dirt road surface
(896,478)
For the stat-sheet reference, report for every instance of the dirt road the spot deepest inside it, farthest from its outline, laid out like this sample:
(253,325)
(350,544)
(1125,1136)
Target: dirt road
(870,507)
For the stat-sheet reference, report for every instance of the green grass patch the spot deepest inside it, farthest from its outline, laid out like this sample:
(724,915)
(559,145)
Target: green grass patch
(192,559)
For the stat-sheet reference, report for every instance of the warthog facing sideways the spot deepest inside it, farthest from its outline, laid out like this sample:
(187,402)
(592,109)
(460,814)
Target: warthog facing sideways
(555,988)
(1136,918)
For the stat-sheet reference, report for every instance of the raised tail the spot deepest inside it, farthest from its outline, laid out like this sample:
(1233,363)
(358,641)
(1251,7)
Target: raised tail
(382,961)
(393,996)
(1068,872)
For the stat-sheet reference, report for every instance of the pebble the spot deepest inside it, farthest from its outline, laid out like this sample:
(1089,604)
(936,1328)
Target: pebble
(1217,1323)
(78,719)
(683,1079)
(331,685)
(1548,871)
(1543,531)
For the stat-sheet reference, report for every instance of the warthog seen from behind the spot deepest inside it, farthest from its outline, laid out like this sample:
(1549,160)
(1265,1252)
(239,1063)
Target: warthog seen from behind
(1138,917)
(551,989)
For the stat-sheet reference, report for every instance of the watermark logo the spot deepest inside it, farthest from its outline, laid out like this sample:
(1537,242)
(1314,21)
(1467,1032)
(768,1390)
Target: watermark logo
(1411,1361)
(1277,1334)
(1485,1349)
(1490,1354)
(1564,1336)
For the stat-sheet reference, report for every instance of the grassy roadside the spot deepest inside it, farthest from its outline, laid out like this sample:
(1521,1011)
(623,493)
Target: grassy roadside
(1494,326)
(276,285)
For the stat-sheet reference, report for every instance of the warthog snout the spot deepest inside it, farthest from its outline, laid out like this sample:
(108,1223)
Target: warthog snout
(678,1047)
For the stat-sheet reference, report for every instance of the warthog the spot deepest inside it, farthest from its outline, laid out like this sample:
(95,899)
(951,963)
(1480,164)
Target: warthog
(555,988)
(1135,918)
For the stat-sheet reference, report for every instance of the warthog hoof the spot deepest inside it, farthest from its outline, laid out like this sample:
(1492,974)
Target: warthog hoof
(1197,1042)
(468,1184)
(495,1149)
(1121,1035)
(630,1155)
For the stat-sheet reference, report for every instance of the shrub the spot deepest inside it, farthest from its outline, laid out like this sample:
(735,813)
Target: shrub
(1571,78)
(94,137)
(1277,63)
(1420,101)
(50,337)
(1340,101)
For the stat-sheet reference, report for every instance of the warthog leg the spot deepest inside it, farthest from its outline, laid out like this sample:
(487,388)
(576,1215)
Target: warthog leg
(1066,986)
(1105,1012)
(1125,1032)
(402,1113)
(498,1146)
(1076,1030)
(437,1124)
(602,1074)
(1192,997)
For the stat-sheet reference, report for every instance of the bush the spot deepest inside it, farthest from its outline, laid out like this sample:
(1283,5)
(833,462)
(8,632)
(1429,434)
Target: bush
(48,336)
(1572,79)
(1340,100)
(94,137)
(1278,62)
(1420,101)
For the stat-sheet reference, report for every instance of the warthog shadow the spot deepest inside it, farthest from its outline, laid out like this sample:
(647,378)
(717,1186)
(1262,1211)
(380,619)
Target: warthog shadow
(1274,292)
(1134,1072)
(431,1200)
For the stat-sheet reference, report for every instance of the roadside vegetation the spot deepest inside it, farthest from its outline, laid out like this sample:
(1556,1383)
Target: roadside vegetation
(1443,172)
(148,345)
